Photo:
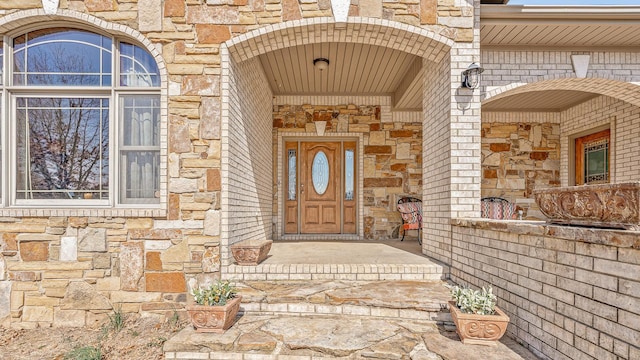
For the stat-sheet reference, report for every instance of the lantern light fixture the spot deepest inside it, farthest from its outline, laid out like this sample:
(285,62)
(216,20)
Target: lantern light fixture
(471,76)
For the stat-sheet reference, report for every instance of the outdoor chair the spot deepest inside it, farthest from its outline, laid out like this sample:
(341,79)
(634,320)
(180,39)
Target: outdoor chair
(497,208)
(410,209)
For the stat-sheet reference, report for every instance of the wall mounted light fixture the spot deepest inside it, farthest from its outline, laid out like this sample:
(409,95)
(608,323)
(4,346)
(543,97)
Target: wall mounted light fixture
(321,63)
(471,76)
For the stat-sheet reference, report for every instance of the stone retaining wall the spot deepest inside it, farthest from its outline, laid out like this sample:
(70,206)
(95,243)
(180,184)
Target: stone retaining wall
(571,293)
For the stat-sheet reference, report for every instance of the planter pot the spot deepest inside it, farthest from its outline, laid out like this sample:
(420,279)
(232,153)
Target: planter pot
(214,319)
(251,252)
(603,205)
(479,329)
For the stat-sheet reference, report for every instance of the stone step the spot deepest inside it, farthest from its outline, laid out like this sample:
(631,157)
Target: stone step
(404,299)
(339,319)
(290,337)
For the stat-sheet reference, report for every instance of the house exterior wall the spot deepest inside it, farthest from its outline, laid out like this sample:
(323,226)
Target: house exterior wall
(507,70)
(503,68)
(392,157)
(624,122)
(247,150)
(571,293)
(520,152)
(146,259)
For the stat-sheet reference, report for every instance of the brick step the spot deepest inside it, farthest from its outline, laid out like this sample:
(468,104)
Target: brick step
(430,270)
(395,299)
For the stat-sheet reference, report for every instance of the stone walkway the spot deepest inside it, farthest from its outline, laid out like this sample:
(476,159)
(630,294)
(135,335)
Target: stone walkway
(341,320)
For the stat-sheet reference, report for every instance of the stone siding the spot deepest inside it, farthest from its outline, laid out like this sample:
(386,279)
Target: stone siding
(571,293)
(69,267)
(392,156)
(518,157)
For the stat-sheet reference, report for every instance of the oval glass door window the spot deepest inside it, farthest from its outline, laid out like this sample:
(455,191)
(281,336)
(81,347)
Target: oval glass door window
(320,172)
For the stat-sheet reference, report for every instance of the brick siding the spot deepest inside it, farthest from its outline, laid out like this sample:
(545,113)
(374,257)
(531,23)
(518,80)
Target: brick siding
(571,293)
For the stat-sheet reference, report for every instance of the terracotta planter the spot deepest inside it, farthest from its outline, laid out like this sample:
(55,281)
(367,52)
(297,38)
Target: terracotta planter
(603,205)
(215,319)
(251,252)
(479,329)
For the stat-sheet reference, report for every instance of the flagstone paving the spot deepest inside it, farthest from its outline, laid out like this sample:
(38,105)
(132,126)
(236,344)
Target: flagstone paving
(342,320)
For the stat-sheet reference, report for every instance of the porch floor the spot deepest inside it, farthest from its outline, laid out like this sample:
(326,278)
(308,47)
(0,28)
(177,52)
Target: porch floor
(342,260)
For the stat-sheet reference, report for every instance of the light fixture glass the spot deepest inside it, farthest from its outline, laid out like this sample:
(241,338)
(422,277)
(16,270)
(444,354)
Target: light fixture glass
(321,63)
(471,76)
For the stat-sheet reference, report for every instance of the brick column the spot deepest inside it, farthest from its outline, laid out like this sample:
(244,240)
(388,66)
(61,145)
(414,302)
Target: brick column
(451,149)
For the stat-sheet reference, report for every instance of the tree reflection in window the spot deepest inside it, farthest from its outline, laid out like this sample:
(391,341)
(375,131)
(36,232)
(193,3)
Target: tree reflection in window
(62,57)
(66,123)
(62,148)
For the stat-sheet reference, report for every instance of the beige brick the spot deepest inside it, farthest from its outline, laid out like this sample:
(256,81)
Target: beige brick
(37,314)
(71,274)
(134,297)
(40,301)
(139,223)
(68,318)
(623,270)
(23,228)
(627,255)
(17,300)
(48,266)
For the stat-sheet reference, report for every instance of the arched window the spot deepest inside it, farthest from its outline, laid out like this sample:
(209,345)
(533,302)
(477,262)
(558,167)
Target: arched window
(82,120)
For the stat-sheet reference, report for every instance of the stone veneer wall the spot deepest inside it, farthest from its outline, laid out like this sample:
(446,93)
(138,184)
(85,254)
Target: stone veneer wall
(392,156)
(69,268)
(520,152)
(571,293)
(248,150)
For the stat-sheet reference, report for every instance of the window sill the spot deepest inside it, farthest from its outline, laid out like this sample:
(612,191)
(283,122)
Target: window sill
(159,211)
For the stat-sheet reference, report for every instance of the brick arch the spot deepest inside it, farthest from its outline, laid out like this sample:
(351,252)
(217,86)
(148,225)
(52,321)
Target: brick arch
(398,36)
(599,83)
(25,18)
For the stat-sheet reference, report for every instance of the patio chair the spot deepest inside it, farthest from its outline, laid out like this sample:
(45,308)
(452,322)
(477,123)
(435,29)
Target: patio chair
(410,209)
(497,208)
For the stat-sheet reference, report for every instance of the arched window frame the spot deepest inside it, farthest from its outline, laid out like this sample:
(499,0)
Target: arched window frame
(116,202)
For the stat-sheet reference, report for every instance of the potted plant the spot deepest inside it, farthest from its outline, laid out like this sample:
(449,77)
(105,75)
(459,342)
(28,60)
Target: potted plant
(478,320)
(215,308)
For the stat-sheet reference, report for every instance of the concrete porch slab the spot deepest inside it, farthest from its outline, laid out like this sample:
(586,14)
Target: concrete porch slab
(341,260)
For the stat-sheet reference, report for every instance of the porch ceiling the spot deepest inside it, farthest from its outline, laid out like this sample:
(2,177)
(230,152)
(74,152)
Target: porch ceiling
(567,27)
(354,69)
(549,100)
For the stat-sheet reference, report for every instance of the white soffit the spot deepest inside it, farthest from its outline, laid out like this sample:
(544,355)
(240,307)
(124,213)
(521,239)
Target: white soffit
(354,69)
(559,26)
(539,101)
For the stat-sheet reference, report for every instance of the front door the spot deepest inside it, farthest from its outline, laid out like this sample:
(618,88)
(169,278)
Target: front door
(320,187)
(322,201)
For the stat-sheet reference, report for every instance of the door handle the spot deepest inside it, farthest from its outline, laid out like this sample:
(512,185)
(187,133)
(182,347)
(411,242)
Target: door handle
(301,188)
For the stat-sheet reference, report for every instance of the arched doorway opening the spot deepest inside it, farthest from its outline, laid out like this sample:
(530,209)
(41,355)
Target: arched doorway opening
(365,112)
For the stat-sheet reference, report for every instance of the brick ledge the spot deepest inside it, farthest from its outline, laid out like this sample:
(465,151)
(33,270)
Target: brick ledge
(611,237)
